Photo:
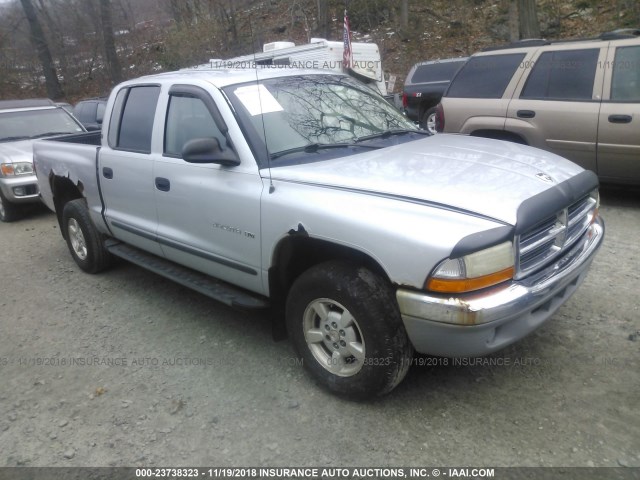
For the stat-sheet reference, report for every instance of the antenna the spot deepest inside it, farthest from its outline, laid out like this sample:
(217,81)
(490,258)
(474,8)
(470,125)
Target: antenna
(272,187)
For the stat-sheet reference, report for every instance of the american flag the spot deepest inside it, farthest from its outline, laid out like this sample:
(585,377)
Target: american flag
(346,54)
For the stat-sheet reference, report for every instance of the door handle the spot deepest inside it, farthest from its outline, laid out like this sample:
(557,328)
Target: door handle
(163,184)
(620,118)
(526,114)
(107,172)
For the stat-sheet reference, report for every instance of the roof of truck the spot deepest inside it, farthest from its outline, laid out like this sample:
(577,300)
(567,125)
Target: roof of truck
(29,103)
(223,77)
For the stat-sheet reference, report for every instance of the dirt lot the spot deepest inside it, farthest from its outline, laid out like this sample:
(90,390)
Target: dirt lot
(126,368)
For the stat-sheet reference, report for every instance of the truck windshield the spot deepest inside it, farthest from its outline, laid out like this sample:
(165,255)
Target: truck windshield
(28,124)
(315,115)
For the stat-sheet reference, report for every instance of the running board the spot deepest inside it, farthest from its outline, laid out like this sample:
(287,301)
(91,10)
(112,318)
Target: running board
(209,286)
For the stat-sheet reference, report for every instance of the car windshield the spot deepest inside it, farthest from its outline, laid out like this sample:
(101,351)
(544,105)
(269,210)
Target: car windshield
(28,124)
(316,115)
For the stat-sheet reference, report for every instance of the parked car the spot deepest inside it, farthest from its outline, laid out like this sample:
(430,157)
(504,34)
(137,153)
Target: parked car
(21,122)
(423,88)
(579,99)
(90,112)
(307,193)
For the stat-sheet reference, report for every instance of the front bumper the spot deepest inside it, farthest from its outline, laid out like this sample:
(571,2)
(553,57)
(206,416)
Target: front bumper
(480,323)
(25,184)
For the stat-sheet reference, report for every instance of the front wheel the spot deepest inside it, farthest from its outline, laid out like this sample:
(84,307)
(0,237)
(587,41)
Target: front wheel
(9,212)
(345,324)
(83,239)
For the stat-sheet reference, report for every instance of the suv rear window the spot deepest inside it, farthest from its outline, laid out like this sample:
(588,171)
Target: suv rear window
(485,77)
(435,72)
(563,75)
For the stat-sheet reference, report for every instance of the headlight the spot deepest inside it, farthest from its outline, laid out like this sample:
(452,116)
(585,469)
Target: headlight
(19,168)
(474,271)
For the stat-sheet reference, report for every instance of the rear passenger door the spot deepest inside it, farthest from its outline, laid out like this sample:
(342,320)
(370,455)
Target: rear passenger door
(125,168)
(556,106)
(619,123)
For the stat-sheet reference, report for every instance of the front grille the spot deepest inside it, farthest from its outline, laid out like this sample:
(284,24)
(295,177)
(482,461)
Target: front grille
(554,235)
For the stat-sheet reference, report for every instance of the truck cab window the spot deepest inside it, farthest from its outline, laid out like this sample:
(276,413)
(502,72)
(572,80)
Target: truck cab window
(137,119)
(188,118)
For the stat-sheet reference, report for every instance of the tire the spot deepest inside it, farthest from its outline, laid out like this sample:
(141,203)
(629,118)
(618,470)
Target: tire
(428,121)
(9,212)
(83,239)
(345,324)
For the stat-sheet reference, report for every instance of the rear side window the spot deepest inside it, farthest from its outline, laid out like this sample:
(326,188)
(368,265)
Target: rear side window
(563,75)
(136,124)
(485,77)
(625,84)
(435,72)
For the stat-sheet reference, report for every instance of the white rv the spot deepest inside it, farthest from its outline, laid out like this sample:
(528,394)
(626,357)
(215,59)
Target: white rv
(320,53)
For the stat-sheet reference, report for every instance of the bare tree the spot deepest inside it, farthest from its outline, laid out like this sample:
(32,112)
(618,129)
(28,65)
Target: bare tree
(323,18)
(54,90)
(404,13)
(528,14)
(111,55)
(513,21)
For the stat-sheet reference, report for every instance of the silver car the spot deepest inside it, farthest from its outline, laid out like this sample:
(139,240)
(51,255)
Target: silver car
(21,122)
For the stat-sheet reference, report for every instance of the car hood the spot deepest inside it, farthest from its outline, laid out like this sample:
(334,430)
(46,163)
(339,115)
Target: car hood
(14,152)
(483,176)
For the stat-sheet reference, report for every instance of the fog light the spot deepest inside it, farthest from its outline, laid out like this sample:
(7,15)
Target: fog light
(19,191)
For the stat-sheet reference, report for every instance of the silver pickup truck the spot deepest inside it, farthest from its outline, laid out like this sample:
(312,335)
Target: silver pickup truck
(306,193)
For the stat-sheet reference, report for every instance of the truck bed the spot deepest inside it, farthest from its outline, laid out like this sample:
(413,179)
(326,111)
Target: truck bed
(72,157)
(85,138)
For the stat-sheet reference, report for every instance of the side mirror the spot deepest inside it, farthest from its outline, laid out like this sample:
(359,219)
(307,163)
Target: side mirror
(208,150)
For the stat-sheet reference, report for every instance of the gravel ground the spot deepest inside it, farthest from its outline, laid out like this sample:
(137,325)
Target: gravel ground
(128,369)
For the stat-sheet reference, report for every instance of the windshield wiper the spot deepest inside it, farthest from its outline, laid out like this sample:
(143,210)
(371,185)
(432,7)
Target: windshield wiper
(13,139)
(314,147)
(389,133)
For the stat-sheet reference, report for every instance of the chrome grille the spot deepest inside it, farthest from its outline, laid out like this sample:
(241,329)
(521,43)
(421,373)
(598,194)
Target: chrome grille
(552,236)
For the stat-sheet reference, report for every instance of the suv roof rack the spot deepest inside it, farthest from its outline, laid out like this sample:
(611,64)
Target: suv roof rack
(30,103)
(527,42)
(619,34)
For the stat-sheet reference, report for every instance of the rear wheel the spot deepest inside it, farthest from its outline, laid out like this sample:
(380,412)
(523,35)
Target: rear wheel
(428,121)
(9,212)
(345,324)
(83,239)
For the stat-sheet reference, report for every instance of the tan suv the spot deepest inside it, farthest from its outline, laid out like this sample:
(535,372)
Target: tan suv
(579,99)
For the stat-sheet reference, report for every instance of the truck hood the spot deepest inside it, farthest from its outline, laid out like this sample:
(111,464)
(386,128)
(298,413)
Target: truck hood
(14,152)
(483,176)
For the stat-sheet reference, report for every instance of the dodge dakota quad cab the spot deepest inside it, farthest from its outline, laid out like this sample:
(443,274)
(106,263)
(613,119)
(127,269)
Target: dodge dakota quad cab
(22,121)
(306,192)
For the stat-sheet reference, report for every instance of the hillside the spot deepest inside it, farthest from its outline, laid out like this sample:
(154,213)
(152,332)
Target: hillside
(162,35)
